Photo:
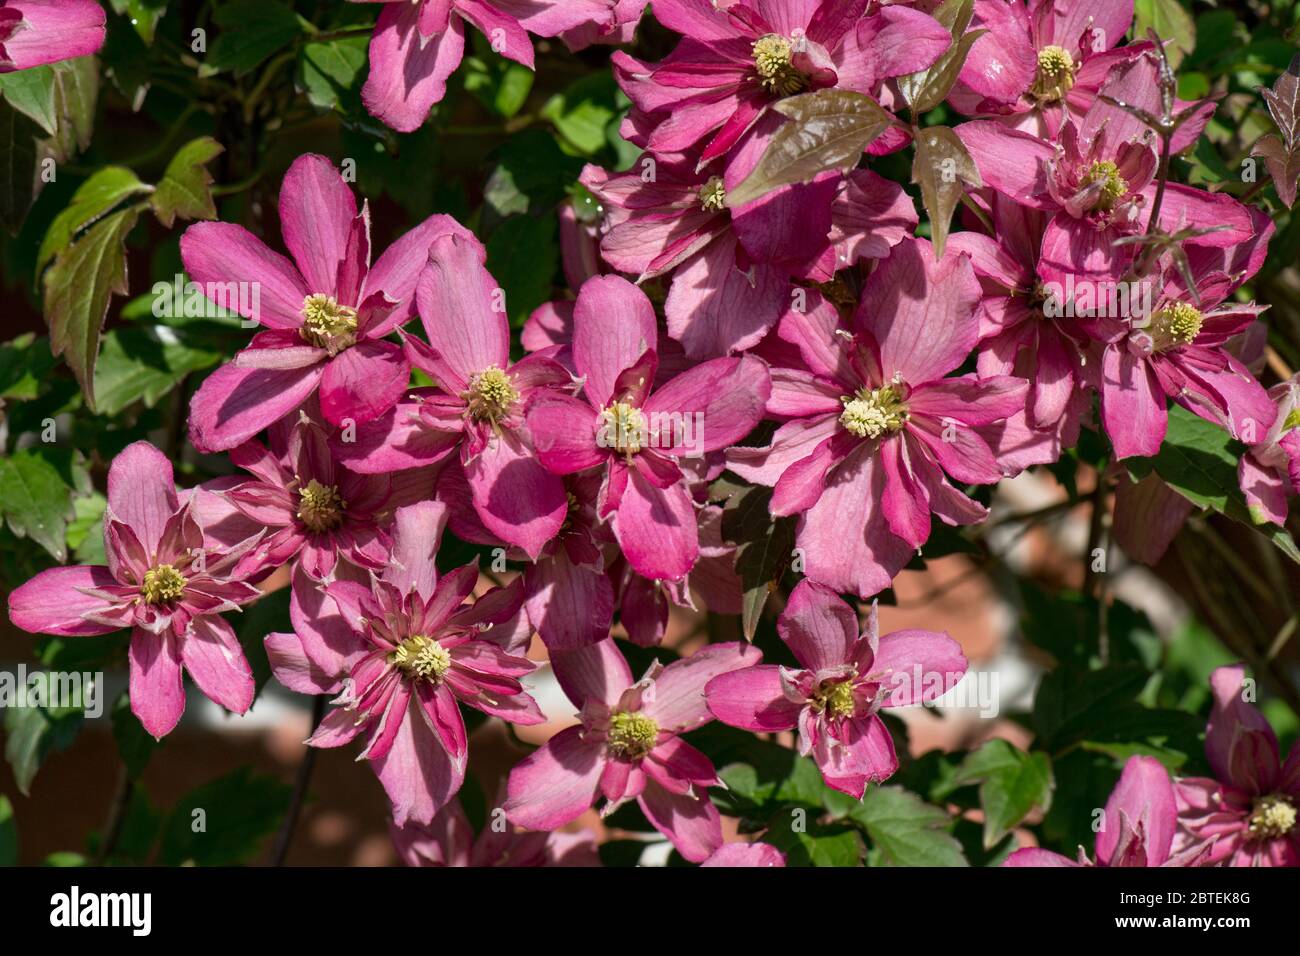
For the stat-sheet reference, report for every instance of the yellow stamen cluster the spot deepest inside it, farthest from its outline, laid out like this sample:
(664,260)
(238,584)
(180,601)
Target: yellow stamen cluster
(1174,325)
(1274,816)
(835,699)
(162,584)
(421,657)
(713,195)
(491,395)
(623,428)
(631,734)
(873,412)
(320,507)
(1114,187)
(1054,76)
(773,56)
(328,325)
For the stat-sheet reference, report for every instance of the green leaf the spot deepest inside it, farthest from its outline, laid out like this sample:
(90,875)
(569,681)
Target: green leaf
(24,363)
(523,253)
(235,813)
(18,182)
(1199,461)
(134,743)
(186,187)
(942,168)
(1171,22)
(144,364)
(499,84)
(532,175)
(35,499)
(66,858)
(582,112)
(95,198)
(764,547)
(8,834)
(808,843)
(1012,784)
(76,94)
(143,14)
(78,288)
(251,31)
(827,129)
(925,90)
(32,734)
(907,831)
(31,92)
(85,535)
(329,73)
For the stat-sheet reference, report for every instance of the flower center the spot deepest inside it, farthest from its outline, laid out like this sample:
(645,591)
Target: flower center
(320,507)
(631,734)
(873,412)
(490,396)
(713,195)
(623,428)
(1113,186)
(835,699)
(1274,817)
(328,325)
(772,59)
(162,584)
(1054,76)
(421,657)
(1175,325)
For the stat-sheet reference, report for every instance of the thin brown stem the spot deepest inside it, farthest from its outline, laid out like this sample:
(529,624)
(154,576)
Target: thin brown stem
(300,784)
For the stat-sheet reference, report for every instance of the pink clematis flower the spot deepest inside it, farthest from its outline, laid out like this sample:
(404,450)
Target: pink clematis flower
(736,59)
(36,32)
(164,582)
(418,44)
(872,425)
(314,509)
(720,300)
(408,649)
(1269,472)
(1179,352)
(628,746)
(326,312)
(1249,809)
(638,434)
(449,841)
(1137,827)
(835,697)
(746,855)
(1021,332)
(479,407)
(1097,183)
(1045,62)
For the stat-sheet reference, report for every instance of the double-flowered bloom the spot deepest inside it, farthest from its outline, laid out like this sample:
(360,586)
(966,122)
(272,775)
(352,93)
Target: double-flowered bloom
(637,433)
(403,650)
(165,582)
(326,313)
(847,675)
(873,428)
(1248,810)
(628,746)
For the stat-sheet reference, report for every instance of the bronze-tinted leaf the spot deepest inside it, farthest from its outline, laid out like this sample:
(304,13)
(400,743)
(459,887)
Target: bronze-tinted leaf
(78,289)
(826,130)
(943,169)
